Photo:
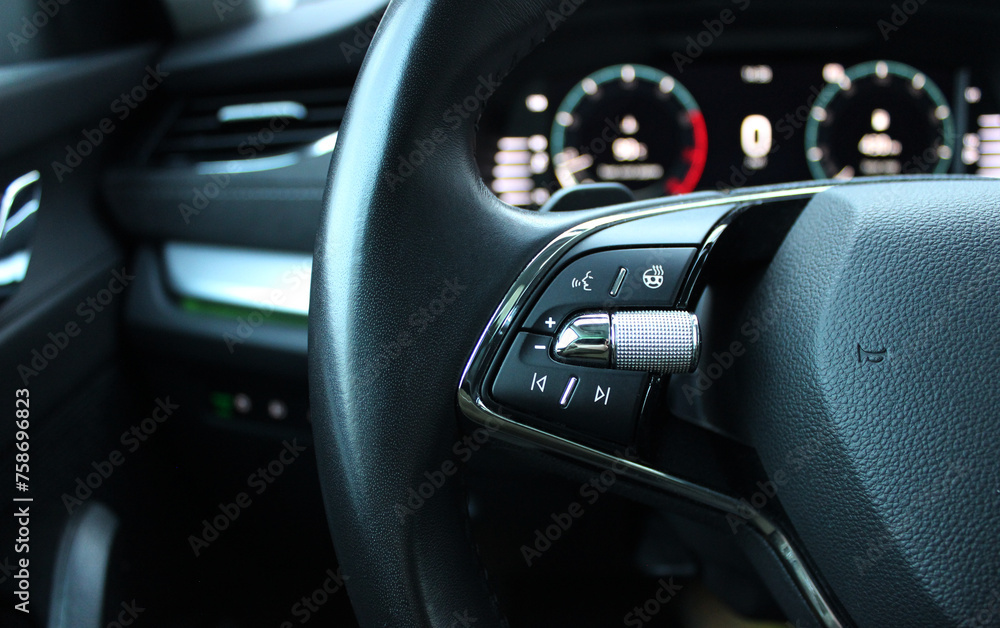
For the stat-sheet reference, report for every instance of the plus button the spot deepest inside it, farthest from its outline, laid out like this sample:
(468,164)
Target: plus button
(550,323)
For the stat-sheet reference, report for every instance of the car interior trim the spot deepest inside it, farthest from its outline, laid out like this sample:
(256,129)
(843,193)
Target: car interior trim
(322,146)
(255,279)
(81,568)
(10,195)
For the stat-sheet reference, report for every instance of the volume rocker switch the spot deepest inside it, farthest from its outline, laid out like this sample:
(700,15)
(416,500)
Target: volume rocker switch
(658,341)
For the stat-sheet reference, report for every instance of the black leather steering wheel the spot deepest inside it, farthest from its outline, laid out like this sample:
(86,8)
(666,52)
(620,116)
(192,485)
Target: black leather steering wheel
(882,346)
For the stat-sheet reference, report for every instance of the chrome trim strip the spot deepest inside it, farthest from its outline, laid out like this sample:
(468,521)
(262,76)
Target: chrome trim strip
(10,195)
(262,111)
(696,358)
(684,298)
(322,146)
(474,406)
(20,201)
(247,278)
(14,268)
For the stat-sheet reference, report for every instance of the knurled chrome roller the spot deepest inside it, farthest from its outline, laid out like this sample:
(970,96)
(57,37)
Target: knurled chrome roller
(655,341)
(658,341)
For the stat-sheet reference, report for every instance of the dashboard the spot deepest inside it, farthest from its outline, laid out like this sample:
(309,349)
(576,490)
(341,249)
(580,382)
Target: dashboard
(681,119)
(661,96)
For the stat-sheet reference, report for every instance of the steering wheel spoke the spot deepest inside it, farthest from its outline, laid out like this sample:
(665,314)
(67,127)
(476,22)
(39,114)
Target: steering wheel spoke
(646,262)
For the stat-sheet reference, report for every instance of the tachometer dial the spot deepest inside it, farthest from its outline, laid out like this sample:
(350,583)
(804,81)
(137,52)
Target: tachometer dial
(879,118)
(634,125)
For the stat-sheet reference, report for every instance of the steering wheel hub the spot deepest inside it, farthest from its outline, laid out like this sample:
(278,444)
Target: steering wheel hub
(883,358)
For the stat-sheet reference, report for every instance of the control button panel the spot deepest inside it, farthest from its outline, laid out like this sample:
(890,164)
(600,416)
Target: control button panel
(600,402)
(649,277)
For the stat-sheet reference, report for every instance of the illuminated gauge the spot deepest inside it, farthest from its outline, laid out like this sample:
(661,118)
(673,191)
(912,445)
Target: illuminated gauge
(630,124)
(878,118)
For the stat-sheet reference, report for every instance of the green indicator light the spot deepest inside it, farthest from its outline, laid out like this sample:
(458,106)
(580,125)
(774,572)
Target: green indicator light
(222,404)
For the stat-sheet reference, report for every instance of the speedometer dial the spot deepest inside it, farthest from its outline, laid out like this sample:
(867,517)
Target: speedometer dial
(879,118)
(634,125)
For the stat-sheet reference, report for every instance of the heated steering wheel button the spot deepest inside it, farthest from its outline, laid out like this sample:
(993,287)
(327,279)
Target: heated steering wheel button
(649,277)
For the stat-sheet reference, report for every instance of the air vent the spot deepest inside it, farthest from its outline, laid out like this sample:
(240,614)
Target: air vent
(250,126)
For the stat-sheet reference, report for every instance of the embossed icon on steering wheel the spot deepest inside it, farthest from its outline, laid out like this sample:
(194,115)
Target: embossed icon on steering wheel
(653,278)
(873,356)
(584,282)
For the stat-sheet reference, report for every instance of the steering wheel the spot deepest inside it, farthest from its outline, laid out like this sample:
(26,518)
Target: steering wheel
(879,351)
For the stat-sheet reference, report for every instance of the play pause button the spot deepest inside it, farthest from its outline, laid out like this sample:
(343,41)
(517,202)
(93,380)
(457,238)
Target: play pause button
(602,395)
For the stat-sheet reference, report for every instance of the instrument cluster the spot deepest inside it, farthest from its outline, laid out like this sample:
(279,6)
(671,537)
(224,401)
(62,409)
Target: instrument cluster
(727,125)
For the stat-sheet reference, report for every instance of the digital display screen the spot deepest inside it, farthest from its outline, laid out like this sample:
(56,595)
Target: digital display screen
(980,141)
(721,126)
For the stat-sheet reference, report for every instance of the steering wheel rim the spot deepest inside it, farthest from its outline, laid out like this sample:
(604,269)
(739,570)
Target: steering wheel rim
(412,257)
(412,254)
